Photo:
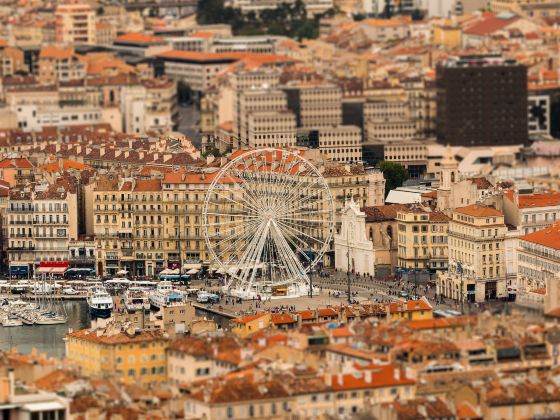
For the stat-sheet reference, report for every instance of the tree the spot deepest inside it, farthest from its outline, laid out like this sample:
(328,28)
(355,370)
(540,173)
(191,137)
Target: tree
(394,175)
(308,29)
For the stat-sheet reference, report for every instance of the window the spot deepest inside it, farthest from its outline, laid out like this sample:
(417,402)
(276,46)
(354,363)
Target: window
(229,412)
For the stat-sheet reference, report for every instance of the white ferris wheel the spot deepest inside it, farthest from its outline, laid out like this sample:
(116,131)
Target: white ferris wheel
(268,219)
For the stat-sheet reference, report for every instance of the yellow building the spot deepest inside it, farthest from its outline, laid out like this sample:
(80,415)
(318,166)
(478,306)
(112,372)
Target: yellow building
(447,36)
(248,325)
(412,309)
(422,239)
(131,356)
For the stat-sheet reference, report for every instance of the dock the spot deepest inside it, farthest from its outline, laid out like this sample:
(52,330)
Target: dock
(33,296)
(206,308)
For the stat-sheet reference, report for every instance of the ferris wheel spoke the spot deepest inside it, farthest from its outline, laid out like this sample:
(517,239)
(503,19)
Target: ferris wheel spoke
(299,232)
(242,204)
(250,228)
(241,239)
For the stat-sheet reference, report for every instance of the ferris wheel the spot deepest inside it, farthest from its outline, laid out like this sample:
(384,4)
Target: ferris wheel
(268,219)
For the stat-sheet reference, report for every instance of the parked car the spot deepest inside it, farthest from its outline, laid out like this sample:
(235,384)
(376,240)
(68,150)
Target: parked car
(70,291)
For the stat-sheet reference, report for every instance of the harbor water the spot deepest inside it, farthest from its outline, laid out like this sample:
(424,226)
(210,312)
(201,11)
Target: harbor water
(46,338)
(49,339)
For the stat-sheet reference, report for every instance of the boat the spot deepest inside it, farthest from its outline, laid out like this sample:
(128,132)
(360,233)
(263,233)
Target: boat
(50,318)
(136,299)
(100,303)
(165,295)
(12,321)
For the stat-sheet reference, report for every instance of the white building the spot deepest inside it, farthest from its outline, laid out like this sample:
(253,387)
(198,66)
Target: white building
(353,251)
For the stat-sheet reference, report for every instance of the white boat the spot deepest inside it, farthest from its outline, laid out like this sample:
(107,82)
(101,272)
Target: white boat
(70,291)
(50,319)
(136,299)
(100,303)
(165,295)
(12,321)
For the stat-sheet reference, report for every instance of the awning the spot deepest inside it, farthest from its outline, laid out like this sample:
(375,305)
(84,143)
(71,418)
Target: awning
(58,270)
(44,406)
(170,276)
(192,271)
(191,266)
(44,270)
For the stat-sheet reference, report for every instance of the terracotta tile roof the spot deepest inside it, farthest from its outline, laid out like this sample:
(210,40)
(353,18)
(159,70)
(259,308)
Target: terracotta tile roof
(422,408)
(238,389)
(249,318)
(147,185)
(139,38)
(58,53)
(481,183)
(489,25)
(55,380)
(437,323)
(526,201)
(278,319)
(384,213)
(465,411)
(409,306)
(477,210)
(118,338)
(185,177)
(438,216)
(65,165)
(20,163)
(548,237)
(382,376)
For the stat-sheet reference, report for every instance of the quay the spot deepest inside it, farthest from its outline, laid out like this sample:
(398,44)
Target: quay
(213,310)
(81,296)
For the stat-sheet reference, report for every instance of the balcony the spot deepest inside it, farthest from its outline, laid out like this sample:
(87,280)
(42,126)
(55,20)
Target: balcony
(21,248)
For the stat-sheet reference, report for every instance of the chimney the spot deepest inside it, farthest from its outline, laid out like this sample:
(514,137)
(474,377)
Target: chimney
(126,153)
(328,379)
(57,147)
(60,165)
(397,373)
(516,198)
(367,376)
(101,150)
(340,378)
(78,149)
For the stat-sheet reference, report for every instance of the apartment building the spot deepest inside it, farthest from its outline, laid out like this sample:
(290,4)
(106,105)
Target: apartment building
(250,101)
(379,109)
(341,143)
(128,355)
(11,61)
(146,225)
(529,8)
(271,128)
(476,255)
(538,263)
(33,118)
(149,106)
(197,69)
(526,213)
(60,64)
(40,223)
(75,24)
(315,105)
(394,129)
(422,239)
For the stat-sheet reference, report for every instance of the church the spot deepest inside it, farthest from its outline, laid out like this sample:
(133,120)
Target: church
(353,251)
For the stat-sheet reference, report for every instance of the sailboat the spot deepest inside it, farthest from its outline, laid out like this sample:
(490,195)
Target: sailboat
(51,311)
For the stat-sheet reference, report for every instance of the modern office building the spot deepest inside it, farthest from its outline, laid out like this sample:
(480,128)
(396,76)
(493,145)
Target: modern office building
(481,100)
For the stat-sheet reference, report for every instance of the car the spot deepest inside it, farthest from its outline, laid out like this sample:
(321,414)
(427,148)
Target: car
(70,291)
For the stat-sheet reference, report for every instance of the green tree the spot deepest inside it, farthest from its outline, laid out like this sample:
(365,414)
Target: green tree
(308,29)
(394,175)
(210,11)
